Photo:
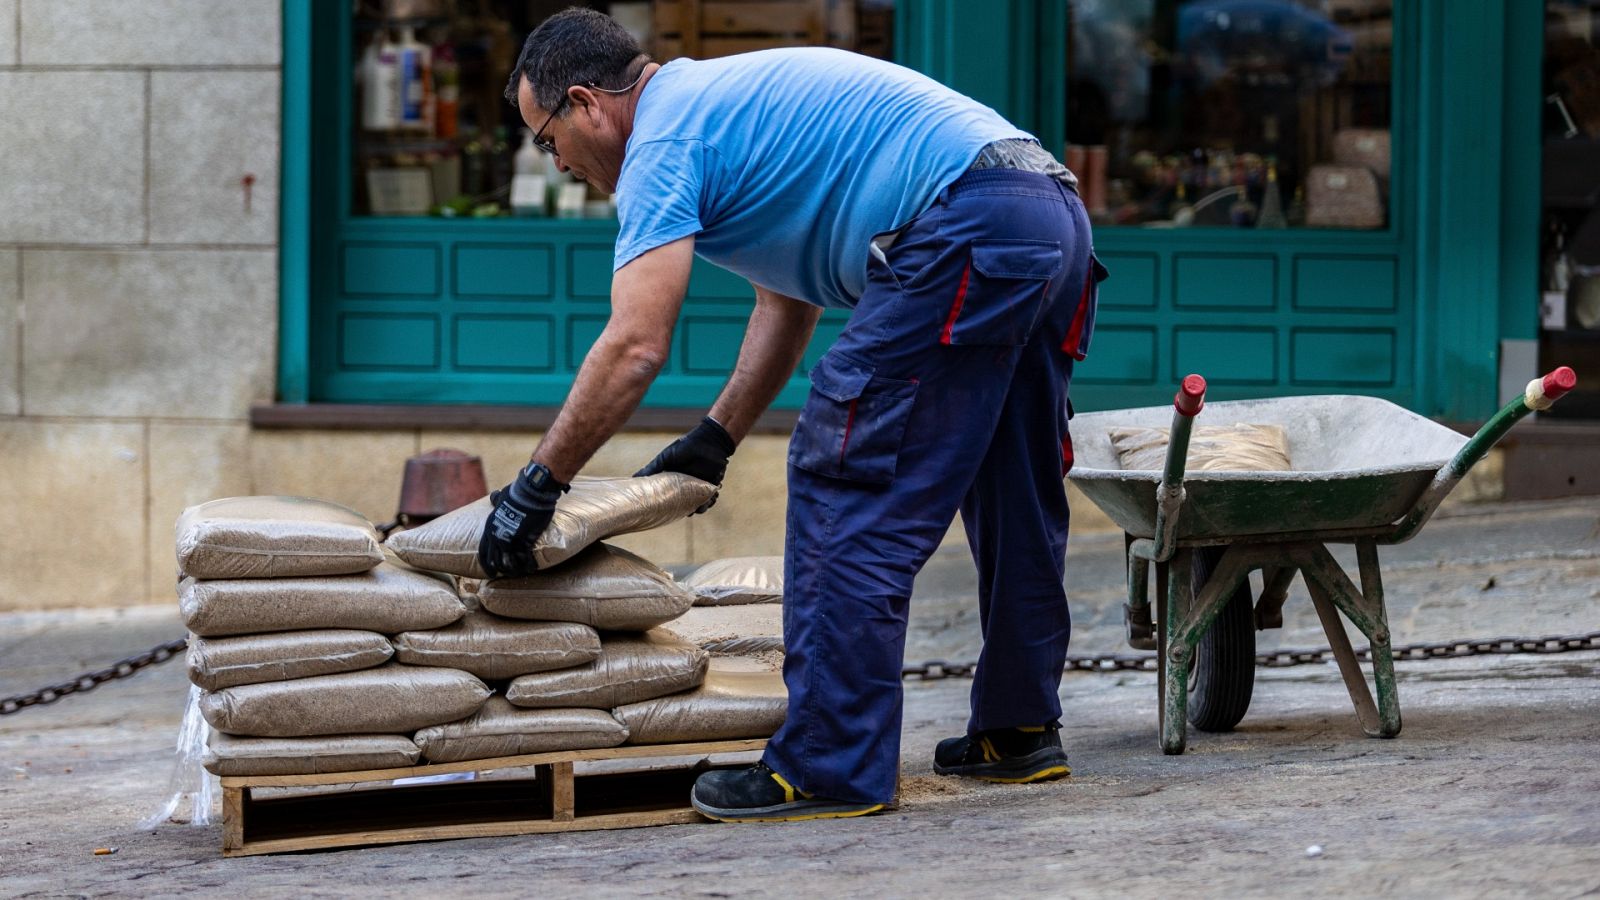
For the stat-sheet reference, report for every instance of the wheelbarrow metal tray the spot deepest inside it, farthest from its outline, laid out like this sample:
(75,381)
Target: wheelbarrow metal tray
(1359,462)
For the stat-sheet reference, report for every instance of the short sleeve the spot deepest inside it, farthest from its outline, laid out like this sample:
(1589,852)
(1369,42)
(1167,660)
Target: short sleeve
(659,195)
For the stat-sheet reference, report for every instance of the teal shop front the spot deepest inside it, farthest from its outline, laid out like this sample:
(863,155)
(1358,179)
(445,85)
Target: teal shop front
(1412,306)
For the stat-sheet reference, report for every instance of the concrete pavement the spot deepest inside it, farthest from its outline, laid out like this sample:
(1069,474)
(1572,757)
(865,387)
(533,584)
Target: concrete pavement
(1487,792)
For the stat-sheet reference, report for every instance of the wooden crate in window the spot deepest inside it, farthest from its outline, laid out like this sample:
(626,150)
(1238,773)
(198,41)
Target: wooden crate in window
(704,29)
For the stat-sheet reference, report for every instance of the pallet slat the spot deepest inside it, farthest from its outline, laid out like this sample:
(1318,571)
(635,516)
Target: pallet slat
(555,799)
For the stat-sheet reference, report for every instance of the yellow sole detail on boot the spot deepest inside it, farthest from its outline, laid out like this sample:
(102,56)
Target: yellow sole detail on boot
(1049,774)
(798,818)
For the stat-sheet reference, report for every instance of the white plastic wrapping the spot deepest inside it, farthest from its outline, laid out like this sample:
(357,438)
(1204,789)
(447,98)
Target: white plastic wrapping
(193,794)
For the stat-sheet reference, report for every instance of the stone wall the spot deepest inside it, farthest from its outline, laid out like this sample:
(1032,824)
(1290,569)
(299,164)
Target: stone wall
(138,287)
(138,311)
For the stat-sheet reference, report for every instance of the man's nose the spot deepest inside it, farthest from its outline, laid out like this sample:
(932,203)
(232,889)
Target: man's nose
(560,165)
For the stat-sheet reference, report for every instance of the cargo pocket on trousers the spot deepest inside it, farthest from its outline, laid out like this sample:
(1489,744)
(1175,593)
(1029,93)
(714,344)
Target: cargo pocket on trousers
(1001,290)
(853,423)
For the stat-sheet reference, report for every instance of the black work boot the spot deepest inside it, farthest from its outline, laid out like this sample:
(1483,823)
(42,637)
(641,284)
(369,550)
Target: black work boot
(1005,755)
(758,794)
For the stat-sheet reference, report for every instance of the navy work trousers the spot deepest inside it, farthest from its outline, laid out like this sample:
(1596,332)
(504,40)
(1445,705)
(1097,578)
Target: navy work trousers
(947,390)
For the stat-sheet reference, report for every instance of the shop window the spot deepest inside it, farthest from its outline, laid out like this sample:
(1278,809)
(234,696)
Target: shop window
(1232,113)
(432,135)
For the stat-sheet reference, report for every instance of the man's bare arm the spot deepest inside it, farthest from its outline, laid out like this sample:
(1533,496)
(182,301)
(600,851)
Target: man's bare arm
(774,341)
(646,295)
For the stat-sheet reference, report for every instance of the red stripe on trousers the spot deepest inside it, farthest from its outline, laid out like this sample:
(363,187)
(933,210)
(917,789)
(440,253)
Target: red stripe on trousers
(1075,333)
(955,308)
(849,423)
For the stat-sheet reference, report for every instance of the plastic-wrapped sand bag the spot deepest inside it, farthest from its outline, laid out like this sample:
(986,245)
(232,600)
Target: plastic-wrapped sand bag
(500,729)
(605,587)
(630,669)
(387,700)
(1212,448)
(229,755)
(217,663)
(389,599)
(495,648)
(192,792)
(727,706)
(595,509)
(274,537)
(736,581)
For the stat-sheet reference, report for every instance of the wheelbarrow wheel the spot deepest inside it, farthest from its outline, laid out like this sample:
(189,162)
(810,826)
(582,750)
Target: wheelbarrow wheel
(1225,661)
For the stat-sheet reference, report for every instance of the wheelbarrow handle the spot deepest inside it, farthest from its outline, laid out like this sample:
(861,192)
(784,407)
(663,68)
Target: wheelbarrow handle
(1186,404)
(1540,394)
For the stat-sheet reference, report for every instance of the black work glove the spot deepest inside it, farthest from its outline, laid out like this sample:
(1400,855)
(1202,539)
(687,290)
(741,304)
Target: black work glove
(522,511)
(703,453)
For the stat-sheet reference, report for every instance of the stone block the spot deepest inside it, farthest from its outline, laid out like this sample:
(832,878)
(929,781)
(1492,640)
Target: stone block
(152,32)
(8,32)
(10,333)
(208,132)
(189,464)
(76,494)
(360,469)
(78,177)
(170,333)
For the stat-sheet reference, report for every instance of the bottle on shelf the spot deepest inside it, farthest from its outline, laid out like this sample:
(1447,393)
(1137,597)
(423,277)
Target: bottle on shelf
(446,91)
(380,84)
(416,82)
(528,191)
(1272,202)
(474,170)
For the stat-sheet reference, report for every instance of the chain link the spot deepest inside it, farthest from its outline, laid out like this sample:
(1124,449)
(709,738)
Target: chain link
(933,669)
(938,669)
(88,681)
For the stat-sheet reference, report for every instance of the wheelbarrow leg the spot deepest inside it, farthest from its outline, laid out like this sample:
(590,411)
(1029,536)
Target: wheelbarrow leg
(1331,593)
(1174,653)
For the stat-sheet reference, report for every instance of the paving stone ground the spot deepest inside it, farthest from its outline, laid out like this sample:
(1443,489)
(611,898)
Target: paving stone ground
(1489,790)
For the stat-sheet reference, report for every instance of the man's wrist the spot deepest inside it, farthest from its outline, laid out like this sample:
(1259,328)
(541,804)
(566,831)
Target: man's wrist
(537,476)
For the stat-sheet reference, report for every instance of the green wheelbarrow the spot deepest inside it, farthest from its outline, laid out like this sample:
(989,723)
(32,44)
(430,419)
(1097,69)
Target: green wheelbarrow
(1364,472)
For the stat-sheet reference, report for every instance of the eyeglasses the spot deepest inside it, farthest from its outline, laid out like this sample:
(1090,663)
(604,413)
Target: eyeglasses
(550,145)
(538,136)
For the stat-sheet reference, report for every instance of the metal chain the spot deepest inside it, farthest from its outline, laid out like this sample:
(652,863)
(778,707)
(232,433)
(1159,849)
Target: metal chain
(932,670)
(938,669)
(88,681)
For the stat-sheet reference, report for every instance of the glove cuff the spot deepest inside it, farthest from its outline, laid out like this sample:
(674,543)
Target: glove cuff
(719,435)
(536,477)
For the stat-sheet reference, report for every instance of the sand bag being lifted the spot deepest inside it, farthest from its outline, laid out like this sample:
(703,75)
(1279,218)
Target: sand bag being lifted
(385,700)
(629,669)
(727,706)
(606,587)
(217,663)
(500,729)
(274,537)
(595,508)
(736,581)
(1212,448)
(228,755)
(389,599)
(491,647)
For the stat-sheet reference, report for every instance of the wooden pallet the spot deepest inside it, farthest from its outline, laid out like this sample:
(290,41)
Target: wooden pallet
(554,798)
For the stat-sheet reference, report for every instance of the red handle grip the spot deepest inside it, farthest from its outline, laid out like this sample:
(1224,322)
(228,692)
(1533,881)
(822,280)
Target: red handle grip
(1557,383)
(1191,396)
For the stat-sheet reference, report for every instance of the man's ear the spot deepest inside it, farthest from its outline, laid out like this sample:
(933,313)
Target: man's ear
(583,100)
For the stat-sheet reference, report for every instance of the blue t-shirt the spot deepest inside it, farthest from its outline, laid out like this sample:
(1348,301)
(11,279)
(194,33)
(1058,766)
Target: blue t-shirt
(786,163)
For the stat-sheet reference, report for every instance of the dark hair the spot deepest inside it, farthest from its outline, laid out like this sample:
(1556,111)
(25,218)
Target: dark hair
(574,46)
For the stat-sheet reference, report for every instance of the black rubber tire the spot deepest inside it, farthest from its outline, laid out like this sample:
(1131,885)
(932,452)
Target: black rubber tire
(1224,673)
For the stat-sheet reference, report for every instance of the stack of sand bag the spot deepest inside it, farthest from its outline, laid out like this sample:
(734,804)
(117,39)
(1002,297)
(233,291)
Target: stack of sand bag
(319,649)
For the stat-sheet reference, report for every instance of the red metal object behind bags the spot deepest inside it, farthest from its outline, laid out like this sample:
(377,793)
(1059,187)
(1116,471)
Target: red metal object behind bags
(435,483)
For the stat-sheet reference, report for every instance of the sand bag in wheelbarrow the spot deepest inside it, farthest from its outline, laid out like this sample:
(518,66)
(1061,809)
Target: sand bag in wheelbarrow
(595,509)
(274,537)
(1212,448)
(630,668)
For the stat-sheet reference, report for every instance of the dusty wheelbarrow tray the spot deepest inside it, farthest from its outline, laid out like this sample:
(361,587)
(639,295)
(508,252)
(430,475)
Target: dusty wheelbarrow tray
(1359,462)
(1364,472)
